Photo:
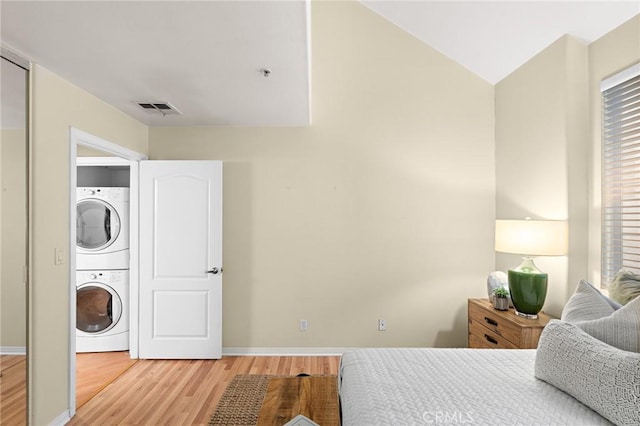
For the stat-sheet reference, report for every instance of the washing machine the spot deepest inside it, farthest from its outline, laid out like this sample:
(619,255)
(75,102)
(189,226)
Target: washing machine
(102,311)
(102,228)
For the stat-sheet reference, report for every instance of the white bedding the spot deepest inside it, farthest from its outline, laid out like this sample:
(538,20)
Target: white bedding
(452,386)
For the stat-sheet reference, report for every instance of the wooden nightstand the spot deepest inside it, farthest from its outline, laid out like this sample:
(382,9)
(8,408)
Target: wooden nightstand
(490,328)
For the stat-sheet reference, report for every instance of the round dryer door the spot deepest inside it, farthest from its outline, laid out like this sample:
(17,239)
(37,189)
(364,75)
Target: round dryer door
(98,308)
(97,225)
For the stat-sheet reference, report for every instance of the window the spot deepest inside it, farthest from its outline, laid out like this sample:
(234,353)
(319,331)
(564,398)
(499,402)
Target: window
(620,174)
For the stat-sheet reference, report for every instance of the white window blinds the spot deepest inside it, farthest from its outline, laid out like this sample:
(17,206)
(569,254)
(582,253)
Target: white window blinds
(621,174)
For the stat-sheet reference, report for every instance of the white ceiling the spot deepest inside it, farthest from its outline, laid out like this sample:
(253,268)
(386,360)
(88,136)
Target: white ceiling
(204,57)
(494,38)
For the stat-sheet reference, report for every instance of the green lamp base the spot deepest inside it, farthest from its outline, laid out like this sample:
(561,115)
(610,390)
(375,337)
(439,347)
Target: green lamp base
(528,289)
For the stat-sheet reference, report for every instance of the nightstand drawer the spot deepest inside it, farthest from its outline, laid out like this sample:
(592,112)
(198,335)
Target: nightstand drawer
(490,328)
(482,337)
(496,323)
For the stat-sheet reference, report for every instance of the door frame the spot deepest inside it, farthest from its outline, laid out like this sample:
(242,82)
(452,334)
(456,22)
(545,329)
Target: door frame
(123,156)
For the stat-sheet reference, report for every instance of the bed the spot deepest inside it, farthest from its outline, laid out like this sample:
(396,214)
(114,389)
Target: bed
(585,371)
(452,386)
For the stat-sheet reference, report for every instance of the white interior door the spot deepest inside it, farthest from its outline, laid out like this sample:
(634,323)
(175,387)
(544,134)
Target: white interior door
(180,259)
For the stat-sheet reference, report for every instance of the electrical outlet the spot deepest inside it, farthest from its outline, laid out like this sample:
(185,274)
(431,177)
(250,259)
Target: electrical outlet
(382,325)
(303,325)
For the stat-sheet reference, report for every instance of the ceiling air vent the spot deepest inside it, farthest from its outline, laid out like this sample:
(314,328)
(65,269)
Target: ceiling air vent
(164,108)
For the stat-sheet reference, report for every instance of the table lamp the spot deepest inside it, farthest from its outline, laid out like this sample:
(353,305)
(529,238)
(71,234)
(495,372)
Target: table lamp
(527,284)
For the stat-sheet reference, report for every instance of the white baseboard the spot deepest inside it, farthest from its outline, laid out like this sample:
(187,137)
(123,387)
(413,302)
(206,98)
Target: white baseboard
(13,350)
(285,351)
(61,420)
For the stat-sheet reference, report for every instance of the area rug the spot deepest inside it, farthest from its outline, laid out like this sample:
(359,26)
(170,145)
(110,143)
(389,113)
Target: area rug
(241,401)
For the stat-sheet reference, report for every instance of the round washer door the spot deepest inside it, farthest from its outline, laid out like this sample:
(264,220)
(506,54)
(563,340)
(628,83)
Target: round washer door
(97,224)
(98,308)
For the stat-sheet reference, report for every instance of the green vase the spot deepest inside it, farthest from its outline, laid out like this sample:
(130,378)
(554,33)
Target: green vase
(528,288)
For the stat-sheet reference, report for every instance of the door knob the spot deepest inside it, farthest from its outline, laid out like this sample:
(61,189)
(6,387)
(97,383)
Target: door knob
(214,271)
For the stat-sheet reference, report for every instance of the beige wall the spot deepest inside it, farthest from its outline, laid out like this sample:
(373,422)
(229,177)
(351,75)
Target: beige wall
(383,208)
(541,156)
(607,56)
(13,319)
(548,144)
(56,106)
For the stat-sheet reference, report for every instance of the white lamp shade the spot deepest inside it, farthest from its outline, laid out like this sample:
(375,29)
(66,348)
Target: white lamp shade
(532,237)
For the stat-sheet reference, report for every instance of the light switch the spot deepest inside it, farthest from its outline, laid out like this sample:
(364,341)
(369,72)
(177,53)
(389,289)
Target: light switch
(59,256)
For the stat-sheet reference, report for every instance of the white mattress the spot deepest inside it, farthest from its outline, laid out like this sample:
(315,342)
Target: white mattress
(452,386)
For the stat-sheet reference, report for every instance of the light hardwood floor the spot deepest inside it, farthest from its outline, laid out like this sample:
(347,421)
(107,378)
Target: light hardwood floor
(94,371)
(13,393)
(184,392)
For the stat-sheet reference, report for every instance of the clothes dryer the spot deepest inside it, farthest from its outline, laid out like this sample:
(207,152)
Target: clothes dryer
(102,311)
(102,228)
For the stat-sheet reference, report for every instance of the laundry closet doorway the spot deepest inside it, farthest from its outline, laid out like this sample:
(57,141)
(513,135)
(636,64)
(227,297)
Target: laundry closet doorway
(175,298)
(103,218)
(121,166)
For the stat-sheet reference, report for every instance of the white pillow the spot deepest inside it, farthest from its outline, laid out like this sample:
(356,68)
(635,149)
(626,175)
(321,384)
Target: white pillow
(597,315)
(620,329)
(604,378)
(587,303)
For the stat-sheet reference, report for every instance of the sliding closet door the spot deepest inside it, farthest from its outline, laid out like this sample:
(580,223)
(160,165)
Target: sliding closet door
(14,236)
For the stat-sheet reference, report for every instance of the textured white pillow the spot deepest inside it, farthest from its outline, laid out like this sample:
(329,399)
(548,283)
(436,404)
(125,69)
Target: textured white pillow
(587,303)
(604,378)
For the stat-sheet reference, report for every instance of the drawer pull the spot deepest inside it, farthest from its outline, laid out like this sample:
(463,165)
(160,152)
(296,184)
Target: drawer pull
(490,321)
(490,339)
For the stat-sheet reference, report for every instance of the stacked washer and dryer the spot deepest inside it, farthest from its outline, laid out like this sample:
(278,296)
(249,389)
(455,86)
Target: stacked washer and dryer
(102,263)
